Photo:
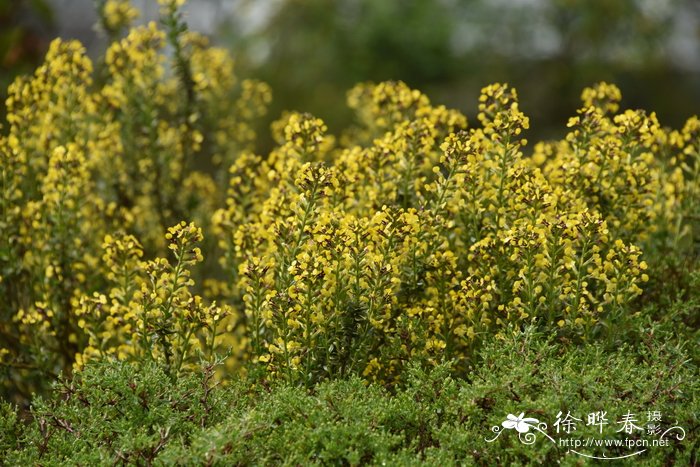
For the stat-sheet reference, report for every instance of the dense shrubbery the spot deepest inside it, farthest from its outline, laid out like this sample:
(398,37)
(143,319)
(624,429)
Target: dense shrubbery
(410,240)
(96,164)
(116,413)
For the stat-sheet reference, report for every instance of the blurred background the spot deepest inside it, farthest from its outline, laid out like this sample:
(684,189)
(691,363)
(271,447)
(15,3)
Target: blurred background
(312,51)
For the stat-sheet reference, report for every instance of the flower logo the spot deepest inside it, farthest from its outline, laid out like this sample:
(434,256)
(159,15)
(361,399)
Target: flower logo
(520,423)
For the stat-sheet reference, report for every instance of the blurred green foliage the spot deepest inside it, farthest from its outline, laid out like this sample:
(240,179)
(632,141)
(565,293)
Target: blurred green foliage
(23,39)
(312,51)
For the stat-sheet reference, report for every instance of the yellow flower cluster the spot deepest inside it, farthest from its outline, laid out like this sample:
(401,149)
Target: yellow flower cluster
(608,162)
(116,15)
(93,150)
(150,312)
(413,237)
(410,236)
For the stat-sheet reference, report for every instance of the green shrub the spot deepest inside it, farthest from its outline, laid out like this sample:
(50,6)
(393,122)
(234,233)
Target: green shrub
(122,413)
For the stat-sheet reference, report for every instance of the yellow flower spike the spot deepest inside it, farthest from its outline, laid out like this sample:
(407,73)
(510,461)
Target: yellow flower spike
(118,14)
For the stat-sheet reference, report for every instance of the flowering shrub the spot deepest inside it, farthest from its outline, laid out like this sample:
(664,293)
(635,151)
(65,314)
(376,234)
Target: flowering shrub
(409,237)
(414,237)
(115,155)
